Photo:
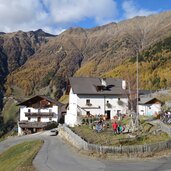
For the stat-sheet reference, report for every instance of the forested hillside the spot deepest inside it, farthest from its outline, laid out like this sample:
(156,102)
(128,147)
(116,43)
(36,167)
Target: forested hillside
(154,67)
(15,49)
(40,63)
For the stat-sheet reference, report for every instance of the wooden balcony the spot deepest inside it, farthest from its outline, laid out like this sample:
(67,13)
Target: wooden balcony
(26,124)
(46,114)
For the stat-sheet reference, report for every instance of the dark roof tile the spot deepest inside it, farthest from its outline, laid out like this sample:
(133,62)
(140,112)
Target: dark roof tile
(91,85)
(38,98)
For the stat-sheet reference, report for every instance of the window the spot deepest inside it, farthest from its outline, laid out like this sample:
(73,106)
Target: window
(39,119)
(118,112)
(29,110)
(119,99)
(88,113)
(29,118)
(50,119)
(50,110)
(88,102)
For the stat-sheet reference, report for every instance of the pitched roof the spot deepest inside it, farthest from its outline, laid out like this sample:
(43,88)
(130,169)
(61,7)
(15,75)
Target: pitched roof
(38,98)
(148,100)
(90,85)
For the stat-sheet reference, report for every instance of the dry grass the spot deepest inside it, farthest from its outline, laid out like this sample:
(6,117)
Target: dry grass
(64,99)
(108,138)
(10,111)
(20,157)
(9,134)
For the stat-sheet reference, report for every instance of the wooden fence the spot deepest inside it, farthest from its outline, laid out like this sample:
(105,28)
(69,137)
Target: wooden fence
(81,144)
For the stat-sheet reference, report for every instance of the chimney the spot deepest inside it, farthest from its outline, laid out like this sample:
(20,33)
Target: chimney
(103,82)
(124,84)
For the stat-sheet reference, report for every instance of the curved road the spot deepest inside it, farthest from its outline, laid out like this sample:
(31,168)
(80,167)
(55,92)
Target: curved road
(55,155)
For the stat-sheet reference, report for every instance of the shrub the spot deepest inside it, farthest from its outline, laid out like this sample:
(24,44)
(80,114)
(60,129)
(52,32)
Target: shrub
(51,125)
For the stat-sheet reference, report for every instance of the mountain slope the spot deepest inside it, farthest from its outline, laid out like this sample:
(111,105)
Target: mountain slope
(97,52)
(15,49)
(40,63)
(154,67)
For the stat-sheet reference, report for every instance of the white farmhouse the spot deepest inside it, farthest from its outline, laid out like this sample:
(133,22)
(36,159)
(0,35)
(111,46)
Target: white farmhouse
(95,96)
(36,113)
(149,106)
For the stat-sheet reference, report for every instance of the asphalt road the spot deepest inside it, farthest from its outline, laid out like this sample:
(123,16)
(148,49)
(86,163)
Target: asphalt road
(55,155)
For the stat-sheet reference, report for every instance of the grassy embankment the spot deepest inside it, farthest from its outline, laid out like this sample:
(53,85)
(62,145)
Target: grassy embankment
(10,111)
(9,134)
(20,157)
(108,138)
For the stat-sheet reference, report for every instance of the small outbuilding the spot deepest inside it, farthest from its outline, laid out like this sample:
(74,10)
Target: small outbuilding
(149,106)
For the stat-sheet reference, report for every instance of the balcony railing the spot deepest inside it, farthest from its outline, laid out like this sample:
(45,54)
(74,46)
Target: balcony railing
(48,114)
(26,124)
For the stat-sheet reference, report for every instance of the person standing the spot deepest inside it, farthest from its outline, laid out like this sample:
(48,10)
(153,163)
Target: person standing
(115,127)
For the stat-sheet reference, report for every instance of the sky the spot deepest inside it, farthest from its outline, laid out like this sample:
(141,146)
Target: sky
(55,16)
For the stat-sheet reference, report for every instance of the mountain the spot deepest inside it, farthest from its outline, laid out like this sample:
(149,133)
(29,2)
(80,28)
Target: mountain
(15,49)
(38,62)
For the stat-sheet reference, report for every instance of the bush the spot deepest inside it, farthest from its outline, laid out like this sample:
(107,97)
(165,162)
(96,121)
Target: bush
(83,121)
(51,125)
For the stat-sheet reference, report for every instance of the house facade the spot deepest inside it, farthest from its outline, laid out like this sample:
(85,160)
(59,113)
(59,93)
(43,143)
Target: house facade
(95,96)
(36,113)
(149,106)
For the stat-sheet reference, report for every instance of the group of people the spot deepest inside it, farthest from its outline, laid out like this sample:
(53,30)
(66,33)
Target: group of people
(166,117)
(118,128)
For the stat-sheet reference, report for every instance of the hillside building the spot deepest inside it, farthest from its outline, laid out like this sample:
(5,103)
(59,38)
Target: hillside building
(149,106)
(95,96)
(36,113)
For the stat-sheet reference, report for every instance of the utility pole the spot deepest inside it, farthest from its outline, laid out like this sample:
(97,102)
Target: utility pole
(137,87)
(135,116)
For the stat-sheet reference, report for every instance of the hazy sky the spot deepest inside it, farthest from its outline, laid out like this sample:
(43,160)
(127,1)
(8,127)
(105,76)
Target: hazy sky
(55,16)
